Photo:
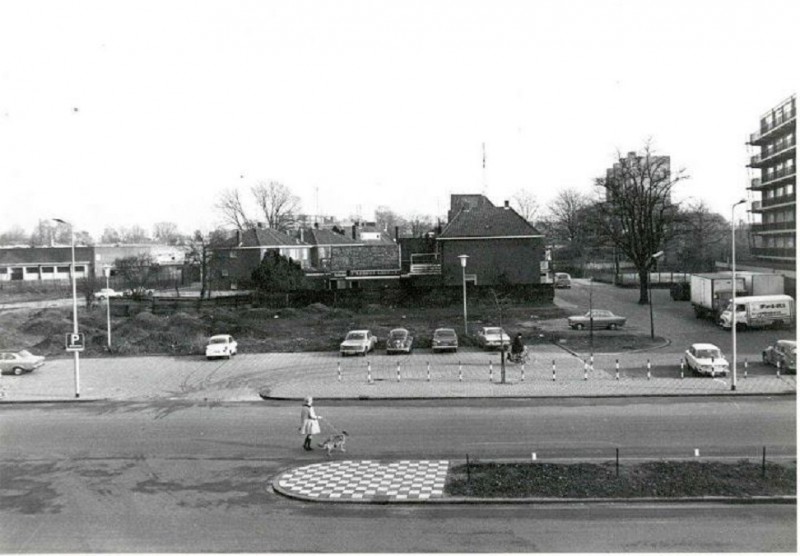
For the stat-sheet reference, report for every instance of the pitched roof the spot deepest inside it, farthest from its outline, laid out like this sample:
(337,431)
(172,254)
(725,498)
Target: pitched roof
(45,255)
(263,237)
(488,221)
(316,236)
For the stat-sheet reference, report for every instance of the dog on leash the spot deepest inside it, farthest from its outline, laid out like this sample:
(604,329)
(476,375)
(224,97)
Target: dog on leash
(334,442)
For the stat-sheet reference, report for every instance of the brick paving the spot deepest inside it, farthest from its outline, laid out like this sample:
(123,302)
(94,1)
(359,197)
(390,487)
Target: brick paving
(421,375)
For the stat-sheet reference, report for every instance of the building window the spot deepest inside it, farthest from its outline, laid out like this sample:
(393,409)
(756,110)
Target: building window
(80,269)
(3,271)
(47,270)
(63,270)
(31,270)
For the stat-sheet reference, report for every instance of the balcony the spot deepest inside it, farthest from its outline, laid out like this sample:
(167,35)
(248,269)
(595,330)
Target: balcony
(776,252)
(782,200)
(780,177)
(755,206)
(779,124)
(425,264)
(773,226)
(773,153)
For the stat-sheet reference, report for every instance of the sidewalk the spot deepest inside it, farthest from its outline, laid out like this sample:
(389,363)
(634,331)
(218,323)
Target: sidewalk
(466,374)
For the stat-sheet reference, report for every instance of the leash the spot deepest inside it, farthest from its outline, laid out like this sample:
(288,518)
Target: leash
(331,426)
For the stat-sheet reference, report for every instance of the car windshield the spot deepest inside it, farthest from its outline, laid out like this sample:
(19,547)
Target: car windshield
(709,353)
(494,331)
(218,341)
(598,313)
(395,334)
(356,336)
(445,334)
(25,353)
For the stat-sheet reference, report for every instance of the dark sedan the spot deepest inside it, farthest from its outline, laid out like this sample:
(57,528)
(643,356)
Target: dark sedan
(399,341)
(596,318)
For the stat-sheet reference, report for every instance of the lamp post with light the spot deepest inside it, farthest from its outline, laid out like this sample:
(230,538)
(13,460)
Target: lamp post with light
(733,290)
(654,257)
(463,259)
(74,304)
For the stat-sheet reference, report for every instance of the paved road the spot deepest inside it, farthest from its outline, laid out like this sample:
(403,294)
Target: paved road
(175,476)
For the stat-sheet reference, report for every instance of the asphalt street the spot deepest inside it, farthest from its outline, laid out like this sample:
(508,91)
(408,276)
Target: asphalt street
(177,476)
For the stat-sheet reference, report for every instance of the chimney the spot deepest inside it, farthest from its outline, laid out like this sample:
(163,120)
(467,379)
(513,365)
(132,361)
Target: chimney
(301,234)
(238,238)
(506,205)
(354,231)
(396,233)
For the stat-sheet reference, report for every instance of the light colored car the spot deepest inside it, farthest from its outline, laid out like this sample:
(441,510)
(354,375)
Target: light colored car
(105,293)
(562,280)
(444,339)
(706,359)
(783,352)
(16,363)
(596,318)
(221,345)
(492,337)
(399,341)
(358,342)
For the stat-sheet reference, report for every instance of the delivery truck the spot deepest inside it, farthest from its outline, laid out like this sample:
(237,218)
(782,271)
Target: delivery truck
(759,311)
(711,292)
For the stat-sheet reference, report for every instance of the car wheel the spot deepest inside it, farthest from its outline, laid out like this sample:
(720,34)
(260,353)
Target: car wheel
(18,371)
(579,327)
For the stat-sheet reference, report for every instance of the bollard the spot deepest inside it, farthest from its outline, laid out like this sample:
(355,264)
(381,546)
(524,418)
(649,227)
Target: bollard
(591,362)
(490,371)
(683,362)
(554,370)
(585,370)
(713,371)
(398,371)
(648,369)
(369,372)
(339,371)
(522,373)
(429,371)
(745,368)
(616,375)
(778,373)
(460,374)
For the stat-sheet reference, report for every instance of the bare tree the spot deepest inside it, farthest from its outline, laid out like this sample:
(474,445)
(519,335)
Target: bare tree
(700,238)
(134,234)
(526,205)
(15,235)
(638,214)
(110,235)
(231,208)
(420,225)
(166,232)
(278,204)
(386,219)
(567,215)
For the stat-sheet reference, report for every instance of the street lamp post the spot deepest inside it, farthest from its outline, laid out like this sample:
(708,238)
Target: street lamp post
(463,259)
(74,305)
(107,272)
(655,257)
(733,290)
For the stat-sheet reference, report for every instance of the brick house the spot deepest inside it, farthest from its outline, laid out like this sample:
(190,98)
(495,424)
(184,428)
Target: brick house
(503,248)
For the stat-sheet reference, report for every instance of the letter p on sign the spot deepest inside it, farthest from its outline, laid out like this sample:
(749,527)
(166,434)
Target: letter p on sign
(75,342)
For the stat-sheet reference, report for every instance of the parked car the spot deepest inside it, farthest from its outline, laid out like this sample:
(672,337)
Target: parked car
(444,339)
(399,341)
(596,318)
(562,280)
(105,293)
(492,337)
(16,363)
(358,342)
(706,359)
(221,345)
(783,352)
(139,293)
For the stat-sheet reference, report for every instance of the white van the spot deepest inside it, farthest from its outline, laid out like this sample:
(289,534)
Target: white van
(759,311)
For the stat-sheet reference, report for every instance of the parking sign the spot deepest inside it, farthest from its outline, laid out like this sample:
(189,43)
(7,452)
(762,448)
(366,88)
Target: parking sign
(75,342)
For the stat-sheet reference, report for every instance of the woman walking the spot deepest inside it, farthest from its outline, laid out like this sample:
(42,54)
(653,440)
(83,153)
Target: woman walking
(309,422)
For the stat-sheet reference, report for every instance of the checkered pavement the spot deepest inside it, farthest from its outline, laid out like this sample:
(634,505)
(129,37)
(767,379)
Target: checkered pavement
(365,481)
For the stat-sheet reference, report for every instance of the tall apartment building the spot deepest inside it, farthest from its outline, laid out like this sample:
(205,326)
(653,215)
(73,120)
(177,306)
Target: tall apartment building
(642,172)
(774,232)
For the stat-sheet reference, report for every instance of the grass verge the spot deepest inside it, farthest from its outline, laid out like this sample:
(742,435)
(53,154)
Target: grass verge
(660,479)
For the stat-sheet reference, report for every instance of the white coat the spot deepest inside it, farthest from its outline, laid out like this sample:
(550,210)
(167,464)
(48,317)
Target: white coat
(309,423)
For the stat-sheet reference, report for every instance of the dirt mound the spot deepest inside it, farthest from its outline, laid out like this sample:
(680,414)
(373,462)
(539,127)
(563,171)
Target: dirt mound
(148,320)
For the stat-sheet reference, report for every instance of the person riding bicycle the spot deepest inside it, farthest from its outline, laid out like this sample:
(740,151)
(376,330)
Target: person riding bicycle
(517,347)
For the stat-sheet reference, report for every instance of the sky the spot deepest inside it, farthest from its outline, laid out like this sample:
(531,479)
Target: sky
(132,113)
